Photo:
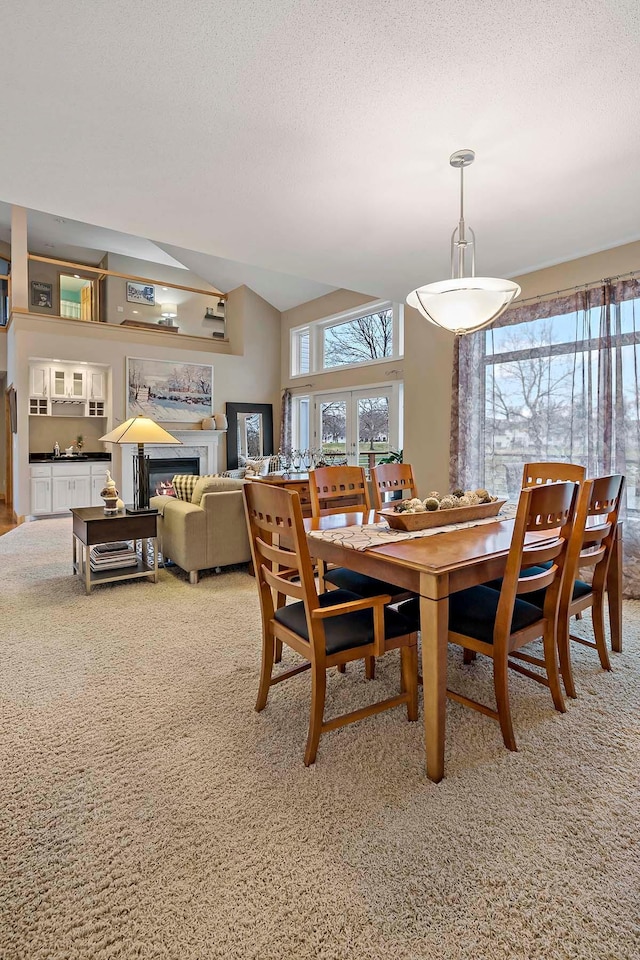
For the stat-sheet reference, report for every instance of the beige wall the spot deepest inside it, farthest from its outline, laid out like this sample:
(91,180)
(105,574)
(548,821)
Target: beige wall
(584,270)
(252,376)
(44,431)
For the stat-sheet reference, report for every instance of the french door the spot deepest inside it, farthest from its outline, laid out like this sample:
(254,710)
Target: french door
(360,426)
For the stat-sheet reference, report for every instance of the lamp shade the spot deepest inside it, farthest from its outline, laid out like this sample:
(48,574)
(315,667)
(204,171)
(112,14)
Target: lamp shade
(168,310)
(139,430)
(464,304)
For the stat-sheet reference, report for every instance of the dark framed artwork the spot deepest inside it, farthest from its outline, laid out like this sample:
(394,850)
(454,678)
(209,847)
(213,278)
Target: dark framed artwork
(41,294)
(248,420)
(141,293)
(13,409)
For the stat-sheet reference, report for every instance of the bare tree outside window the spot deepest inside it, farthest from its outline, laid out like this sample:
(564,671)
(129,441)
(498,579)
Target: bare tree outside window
(367,338)
(531,410)
(373,419)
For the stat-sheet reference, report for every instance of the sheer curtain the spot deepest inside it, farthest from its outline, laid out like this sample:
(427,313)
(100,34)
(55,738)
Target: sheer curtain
(285,422)
(554,380)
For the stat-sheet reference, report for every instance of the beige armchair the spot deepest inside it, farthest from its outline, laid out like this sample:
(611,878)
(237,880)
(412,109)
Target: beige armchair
(201,536)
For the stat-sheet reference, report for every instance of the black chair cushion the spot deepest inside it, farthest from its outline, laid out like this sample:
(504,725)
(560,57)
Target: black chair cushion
(528,572)
(347,630)
(580,589)
(473,612)
(361,584)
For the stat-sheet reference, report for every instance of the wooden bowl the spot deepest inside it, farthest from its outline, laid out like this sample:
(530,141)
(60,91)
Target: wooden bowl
(439,518)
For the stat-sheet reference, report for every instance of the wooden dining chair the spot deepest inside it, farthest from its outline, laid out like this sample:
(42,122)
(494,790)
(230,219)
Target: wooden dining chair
(336,490)
(552,472)
(342,489)
(325,630)
(591,546)
(500,623)
(389,478)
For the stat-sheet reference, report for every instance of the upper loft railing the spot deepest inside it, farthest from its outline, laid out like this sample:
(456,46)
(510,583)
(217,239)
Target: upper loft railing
(97,308)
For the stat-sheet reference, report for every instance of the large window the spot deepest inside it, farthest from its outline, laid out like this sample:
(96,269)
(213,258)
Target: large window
(555,380)
(564,387)
(367,335)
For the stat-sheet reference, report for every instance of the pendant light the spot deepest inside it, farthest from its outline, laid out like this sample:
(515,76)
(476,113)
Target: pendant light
(465,302)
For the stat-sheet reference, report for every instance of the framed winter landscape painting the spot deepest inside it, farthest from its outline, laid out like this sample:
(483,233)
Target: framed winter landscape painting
(169,392)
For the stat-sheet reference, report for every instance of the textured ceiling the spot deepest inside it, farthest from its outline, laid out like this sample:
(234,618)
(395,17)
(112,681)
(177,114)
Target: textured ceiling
(311,137)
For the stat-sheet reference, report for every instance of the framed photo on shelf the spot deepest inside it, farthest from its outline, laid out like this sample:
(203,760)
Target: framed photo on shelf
(141,293)
(41,294)
(169,392)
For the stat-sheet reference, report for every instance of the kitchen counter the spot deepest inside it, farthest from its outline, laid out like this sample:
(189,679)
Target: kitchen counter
(81,457)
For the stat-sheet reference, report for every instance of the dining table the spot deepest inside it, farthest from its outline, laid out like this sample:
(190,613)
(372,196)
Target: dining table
(434,567)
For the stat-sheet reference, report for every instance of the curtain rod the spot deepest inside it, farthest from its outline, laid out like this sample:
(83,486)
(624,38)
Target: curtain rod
(580,286)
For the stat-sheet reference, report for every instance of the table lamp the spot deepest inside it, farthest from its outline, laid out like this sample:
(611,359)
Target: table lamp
(140,430)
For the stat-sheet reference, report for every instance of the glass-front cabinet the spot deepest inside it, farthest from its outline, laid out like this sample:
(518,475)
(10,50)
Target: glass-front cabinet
(55,383)
(68,383)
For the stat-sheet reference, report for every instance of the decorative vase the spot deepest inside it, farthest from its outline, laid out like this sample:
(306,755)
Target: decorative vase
(109,494)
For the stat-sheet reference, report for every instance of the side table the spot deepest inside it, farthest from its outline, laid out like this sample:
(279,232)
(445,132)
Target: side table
(92,526)
(291,481)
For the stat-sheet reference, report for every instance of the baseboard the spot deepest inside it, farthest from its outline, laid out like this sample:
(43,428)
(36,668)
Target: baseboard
(18,520)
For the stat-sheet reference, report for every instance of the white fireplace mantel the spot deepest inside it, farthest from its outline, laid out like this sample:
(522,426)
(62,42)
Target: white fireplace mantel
(193,443)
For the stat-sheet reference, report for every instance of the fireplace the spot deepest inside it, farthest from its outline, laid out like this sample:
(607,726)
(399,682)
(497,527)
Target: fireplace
(162,472)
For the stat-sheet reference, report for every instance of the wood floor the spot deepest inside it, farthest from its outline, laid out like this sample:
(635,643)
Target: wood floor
(6,518)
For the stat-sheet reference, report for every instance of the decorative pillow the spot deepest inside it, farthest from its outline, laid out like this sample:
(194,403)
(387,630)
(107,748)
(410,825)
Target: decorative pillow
(184,485)
(256,466)
(235,474)
(213,484)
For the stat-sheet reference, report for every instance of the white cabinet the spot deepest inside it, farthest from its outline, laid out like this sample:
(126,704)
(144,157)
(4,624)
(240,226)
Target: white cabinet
(68,382)
(68,492)
(96,384)
(97,484)
(39,380)
(57,487)
(38,407)
(40,496)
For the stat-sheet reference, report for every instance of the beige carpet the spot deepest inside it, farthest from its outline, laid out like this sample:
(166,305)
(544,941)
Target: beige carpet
(149,812)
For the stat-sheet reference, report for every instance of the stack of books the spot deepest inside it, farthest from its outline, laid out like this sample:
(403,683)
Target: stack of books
(109,556)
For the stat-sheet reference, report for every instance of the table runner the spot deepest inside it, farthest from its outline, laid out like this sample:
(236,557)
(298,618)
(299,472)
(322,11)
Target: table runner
(368,535)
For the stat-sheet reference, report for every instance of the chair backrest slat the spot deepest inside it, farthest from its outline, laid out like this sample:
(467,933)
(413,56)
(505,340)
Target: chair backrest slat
(388,478)
(282,584)
(534,474)
(338,490)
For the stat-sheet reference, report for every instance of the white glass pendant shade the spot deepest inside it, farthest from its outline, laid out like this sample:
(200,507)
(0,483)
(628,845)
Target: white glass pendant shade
(464,304)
